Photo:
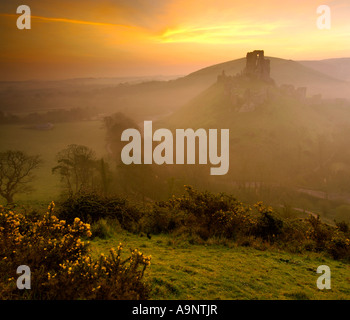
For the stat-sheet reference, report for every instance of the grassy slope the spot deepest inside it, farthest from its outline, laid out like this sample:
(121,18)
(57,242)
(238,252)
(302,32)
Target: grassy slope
(183,271)
(47,144)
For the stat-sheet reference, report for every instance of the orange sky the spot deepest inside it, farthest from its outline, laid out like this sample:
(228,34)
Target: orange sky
(111,38)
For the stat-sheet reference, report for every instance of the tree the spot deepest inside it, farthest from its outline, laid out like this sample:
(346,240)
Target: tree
(115,125)
(76,165)
(16,169)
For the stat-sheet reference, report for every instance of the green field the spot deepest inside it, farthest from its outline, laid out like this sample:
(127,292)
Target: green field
(180,270)
(48,144)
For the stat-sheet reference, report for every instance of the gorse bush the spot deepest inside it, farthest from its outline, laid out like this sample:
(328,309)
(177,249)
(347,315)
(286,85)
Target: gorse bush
(268,225)
(61,264)
(319,232)
(91,207)
(202,213)
(339,246)
(207,215)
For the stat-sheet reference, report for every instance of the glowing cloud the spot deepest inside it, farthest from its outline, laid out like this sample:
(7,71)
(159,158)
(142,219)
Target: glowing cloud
(215,34)
(69,21)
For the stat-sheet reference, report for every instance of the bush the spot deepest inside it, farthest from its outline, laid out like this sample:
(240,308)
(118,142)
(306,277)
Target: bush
(61,264)
(319,232)
(268,225)
(343,226)
(91,207)
(339,246)
(202,213)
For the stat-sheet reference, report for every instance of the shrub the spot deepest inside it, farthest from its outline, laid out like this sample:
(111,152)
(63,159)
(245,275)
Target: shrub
(339,246)
(319,232)
(203,213)
(91,207)
(61,264)
(343,226)
(268,225)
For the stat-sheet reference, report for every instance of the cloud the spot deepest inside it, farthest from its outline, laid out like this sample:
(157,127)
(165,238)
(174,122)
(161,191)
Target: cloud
(215,34)
(64,20)
(140,13)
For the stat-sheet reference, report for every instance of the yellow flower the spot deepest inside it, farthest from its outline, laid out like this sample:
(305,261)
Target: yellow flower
(76,220)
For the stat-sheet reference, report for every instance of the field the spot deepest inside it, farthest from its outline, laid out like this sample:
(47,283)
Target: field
(180,270)
(47,144)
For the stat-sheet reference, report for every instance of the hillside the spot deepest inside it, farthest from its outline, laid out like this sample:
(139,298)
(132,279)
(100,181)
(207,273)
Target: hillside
(180,270)
(279,138)
(336,68)
(283,72)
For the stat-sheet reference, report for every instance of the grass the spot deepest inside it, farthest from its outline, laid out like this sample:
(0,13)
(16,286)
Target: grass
(48,144)
(180,270)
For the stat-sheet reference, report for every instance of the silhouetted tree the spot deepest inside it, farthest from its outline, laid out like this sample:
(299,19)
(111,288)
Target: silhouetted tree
(77,166)
(16,173)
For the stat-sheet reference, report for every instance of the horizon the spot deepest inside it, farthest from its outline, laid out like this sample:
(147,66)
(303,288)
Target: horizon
(116,38)
(151,76)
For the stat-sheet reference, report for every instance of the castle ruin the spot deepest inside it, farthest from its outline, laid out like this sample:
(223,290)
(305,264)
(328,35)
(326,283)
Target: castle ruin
(245,99)
(257,66)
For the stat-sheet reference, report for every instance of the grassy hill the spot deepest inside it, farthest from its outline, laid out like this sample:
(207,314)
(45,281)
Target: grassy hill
(180,270)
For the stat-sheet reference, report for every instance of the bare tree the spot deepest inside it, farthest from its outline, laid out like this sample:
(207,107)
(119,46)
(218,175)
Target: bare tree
(16,173)
(77,167)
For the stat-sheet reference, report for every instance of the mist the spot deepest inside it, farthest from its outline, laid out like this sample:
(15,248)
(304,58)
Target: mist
(288,136)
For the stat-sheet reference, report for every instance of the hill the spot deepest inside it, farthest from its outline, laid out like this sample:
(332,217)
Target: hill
(336,68)
(283,72)
(280,139)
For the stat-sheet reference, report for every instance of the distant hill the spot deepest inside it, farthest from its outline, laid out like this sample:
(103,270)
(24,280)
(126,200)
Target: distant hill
(336,68)
(283,72)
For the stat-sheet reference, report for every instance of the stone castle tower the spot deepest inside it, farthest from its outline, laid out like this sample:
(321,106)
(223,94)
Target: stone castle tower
(257,66)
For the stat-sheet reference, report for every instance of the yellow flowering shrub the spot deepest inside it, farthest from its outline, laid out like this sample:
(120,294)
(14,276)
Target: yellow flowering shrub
(202,215)
(61,265)
(339,246)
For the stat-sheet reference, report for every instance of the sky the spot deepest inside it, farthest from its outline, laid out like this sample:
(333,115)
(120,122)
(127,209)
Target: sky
(119,38)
